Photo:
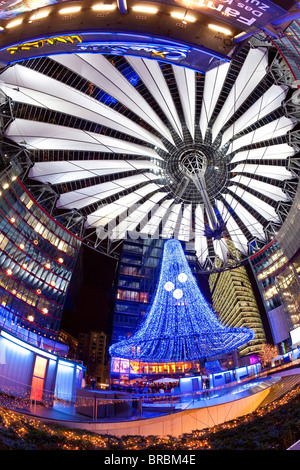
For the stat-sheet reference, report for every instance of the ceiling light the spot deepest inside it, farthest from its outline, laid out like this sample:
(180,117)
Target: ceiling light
(14,23)
(68,10)
(144,9)
(103,7)
(220,29)
(39,15)
(183,16)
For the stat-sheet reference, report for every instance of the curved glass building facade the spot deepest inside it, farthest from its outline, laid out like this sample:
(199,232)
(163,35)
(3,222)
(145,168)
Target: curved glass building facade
(37,260)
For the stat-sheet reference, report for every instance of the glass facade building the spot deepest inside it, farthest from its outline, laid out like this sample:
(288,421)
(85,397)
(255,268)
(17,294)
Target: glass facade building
(288,286)
(267,265)
(37,258)
(278,281)
(233,298)
(134,284)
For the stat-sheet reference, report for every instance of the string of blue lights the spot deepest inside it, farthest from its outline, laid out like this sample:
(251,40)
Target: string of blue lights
(180,325)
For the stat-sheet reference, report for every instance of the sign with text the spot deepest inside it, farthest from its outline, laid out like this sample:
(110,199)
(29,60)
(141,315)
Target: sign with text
(249,15)
(197,58)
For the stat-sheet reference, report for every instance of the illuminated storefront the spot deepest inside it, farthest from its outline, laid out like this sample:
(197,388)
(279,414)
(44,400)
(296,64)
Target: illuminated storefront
(30,372)
(125,371)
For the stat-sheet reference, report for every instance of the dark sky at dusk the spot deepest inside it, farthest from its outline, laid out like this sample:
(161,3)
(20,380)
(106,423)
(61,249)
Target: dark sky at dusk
(92,304)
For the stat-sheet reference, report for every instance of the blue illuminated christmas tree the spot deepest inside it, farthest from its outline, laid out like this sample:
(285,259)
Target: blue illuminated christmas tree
(180,325)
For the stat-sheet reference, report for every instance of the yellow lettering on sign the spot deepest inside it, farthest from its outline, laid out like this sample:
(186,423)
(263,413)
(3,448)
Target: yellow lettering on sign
(44,42)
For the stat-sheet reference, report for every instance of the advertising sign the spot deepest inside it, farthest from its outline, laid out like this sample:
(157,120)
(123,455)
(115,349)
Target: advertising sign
(250,15)
(174,52)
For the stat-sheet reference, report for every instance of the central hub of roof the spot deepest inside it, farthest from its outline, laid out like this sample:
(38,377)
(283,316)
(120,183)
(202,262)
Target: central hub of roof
(193,162)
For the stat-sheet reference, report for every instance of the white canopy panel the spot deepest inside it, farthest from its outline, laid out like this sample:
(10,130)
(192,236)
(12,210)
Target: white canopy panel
(93,194)
(251,73)
(98,70)
(268,171)
(236,234)
(62,171)
(265,189)
(151,74)
(186,84)
(273,152)
(185,230)
(252,224)
(221,249)
(170,225)
(136,217)
(214,80)
(265,105)
(31,87)
(201,246)
(267,211)
(109,212)
(276,128)
(116,137)
(152,226)
(44,136)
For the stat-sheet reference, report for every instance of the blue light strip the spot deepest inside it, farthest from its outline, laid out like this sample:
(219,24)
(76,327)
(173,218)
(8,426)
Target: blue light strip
(122,6)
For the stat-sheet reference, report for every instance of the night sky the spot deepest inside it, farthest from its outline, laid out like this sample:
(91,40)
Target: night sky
(92,302)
